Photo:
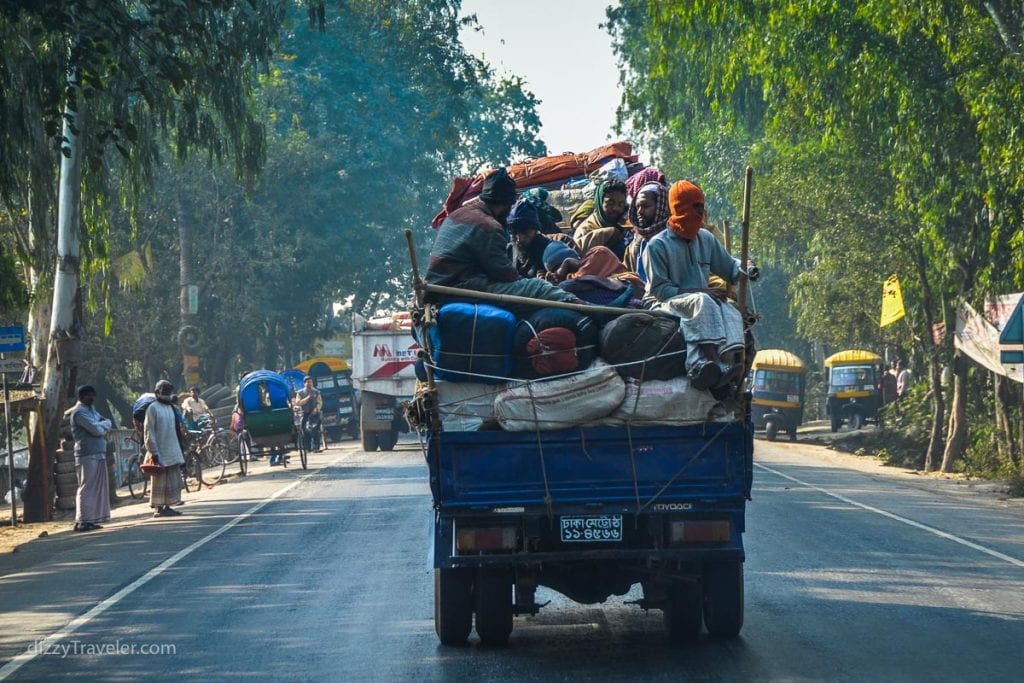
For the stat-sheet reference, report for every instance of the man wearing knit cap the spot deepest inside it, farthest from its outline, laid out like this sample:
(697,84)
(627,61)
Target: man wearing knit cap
(678,262)
(528,243)
(90,429)
(470,250)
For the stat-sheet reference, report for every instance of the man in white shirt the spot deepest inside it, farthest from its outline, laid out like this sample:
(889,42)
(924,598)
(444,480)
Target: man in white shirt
(194,407)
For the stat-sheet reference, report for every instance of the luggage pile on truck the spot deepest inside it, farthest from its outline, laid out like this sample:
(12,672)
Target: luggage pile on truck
(567,449)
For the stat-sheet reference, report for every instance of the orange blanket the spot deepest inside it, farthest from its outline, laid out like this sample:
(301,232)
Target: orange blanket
(538,172)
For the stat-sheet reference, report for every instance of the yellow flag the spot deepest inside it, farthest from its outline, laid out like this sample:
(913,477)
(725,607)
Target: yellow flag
(892,301)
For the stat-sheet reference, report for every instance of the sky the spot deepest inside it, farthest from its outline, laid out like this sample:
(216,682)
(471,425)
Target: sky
(566,59)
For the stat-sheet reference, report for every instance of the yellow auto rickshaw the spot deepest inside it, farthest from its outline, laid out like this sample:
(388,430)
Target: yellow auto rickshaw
(854,386)
(777,386)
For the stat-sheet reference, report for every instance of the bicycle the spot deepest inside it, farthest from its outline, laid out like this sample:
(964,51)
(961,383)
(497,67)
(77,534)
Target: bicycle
(207,455)
(138,483)
(239,448)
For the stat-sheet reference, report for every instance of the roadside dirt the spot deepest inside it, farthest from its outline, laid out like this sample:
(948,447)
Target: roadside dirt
(820,436)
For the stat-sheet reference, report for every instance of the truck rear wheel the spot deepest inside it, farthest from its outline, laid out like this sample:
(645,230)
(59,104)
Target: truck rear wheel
(494,606)
(683,610)
(387,440)
(856,420)
(836,422)
(453,605)
(771,430)
(370,441)
(723,598)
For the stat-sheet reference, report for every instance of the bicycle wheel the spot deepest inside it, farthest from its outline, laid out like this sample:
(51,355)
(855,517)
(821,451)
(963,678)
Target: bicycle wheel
(193,482)
(300,441)
(138,482)
(233,445)
(244,449)
(211,460)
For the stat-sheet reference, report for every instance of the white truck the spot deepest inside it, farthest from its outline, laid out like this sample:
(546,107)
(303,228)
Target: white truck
(383,354)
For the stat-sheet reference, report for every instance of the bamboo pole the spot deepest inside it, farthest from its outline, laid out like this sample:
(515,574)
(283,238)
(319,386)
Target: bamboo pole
(748,182)
(539,303)
(417,284)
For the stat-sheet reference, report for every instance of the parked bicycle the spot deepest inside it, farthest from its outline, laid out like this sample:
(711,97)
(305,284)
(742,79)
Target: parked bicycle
(208,452)
(138,483)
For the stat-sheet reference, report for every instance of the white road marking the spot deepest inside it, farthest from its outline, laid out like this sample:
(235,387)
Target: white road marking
(25,657)
(917,525)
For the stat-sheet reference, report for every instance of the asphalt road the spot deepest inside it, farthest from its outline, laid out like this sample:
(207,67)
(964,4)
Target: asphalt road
(849,576)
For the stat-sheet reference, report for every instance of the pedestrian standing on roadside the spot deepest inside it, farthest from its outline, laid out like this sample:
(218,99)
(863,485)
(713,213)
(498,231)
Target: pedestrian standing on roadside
(89,429)
(161,439)
(902,380)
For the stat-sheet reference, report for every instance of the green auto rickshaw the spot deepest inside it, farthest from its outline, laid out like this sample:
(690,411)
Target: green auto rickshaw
(777,388)
(854,386)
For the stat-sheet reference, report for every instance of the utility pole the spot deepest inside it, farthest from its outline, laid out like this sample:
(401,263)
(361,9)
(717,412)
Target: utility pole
(188,334)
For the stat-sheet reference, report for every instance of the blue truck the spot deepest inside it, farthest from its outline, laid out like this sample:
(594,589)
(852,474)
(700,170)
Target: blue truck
(590,512)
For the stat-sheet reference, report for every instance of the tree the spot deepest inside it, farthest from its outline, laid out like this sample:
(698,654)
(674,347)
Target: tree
(875,164)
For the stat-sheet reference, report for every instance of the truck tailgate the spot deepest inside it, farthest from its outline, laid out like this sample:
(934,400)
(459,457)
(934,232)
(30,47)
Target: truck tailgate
(591,465)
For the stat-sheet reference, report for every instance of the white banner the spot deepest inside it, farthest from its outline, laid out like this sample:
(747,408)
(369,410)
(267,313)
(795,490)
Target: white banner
(978,336)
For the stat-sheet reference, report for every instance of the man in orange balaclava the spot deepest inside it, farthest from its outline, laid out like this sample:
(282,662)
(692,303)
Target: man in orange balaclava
(678,262)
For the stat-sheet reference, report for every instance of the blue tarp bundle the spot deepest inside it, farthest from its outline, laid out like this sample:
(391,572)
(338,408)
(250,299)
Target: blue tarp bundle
(277,391)
(473,338)
(294,378)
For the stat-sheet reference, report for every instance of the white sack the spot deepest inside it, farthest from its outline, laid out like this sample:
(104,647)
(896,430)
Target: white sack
(560,403)
(465,406)
(662,402)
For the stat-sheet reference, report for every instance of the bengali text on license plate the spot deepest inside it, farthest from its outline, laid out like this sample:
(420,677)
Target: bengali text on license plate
(592,528)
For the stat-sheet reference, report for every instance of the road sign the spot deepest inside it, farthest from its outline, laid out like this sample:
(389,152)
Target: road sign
(1011,339)
(12,366)
(12,339)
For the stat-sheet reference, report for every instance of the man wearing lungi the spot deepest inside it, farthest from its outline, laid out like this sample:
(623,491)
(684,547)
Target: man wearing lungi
(89,429)
(161,439)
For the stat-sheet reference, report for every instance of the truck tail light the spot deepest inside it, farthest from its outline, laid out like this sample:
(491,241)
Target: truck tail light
(484,539)
(710,531)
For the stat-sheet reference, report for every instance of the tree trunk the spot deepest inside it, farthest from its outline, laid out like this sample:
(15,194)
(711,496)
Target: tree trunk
(40,279)
(1004,399)
(935,442)
(65,287)
(956,436)
(1007,439)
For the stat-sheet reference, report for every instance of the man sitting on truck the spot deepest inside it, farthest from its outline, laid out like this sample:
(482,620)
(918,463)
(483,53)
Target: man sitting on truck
(604,226)
(469,252)
(678,262)
(528,243)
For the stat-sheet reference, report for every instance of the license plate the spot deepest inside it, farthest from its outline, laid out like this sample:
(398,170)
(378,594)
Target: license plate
(591,529)
(383,414)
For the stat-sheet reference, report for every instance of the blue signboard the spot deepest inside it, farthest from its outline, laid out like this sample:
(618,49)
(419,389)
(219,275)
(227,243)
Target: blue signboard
(12,339)
(1012,337)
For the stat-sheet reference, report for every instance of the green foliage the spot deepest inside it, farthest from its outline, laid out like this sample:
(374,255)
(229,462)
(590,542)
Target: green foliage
(367,121)
(13,295)
(885,136)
